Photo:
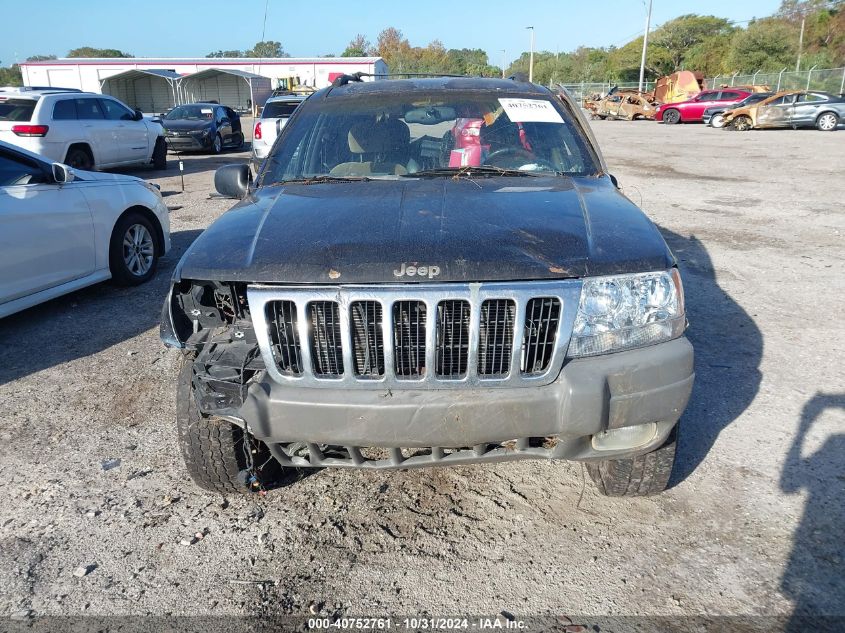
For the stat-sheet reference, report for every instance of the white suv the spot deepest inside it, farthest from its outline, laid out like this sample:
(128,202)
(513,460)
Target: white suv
(82,129)
(274,116)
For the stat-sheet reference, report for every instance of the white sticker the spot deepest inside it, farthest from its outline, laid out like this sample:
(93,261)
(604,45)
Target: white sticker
(206,110)
(531,111)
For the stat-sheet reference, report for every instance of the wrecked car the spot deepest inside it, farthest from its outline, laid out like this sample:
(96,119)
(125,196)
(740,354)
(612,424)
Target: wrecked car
(714,116)
(626,104)
(382,297)
(791,108)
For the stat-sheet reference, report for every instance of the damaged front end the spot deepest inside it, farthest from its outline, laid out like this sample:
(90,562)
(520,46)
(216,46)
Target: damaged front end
(211,324)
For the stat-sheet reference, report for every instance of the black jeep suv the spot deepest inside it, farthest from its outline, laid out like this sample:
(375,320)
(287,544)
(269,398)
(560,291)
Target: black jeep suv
(425,273)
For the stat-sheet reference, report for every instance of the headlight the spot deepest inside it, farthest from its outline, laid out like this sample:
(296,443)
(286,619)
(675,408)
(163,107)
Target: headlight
(627,311)
(203,133)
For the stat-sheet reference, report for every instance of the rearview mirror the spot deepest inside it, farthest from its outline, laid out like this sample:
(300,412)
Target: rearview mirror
(62,174)
(431,115)
(232,181)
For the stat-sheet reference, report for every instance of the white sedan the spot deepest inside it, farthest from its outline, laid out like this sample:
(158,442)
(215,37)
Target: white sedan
(63,229)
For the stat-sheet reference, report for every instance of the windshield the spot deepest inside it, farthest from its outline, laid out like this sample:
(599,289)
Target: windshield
(430,134)
(190,113)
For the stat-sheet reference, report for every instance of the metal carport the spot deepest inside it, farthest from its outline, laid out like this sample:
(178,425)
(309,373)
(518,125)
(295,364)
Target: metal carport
(238,89)
(150,91)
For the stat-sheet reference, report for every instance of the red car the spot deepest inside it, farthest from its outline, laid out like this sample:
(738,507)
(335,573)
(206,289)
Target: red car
(692,110)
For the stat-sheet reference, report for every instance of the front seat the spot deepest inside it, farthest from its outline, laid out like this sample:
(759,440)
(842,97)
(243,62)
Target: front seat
(382,148)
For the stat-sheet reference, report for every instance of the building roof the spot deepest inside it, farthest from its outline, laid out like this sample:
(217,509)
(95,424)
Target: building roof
(225,71)
(157,72)
(214,61)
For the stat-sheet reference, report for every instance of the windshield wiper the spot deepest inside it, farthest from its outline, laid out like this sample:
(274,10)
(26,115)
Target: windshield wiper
(313,180)
(482,170)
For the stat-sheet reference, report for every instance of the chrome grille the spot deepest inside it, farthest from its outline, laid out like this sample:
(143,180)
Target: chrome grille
(541,321)
(409,338)
(326,349)
(367,339)
(452,338)
(284,337)
(496,337)
(426,336)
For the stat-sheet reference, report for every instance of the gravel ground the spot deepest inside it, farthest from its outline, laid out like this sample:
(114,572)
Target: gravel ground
(751,526)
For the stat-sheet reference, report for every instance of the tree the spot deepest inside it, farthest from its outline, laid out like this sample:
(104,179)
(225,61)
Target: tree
(11,76)
(40,58)
(89,51)
(677,36)
(266,49)
(768,44)
(393,48)
(359,46)
(224,54)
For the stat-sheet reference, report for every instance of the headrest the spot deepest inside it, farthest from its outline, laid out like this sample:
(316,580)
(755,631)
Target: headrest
(378,138)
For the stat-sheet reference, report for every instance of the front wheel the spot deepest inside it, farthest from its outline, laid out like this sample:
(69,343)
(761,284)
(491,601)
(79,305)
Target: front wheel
(220,456)
(134,250)
(742,123)
(672,117)
(717,121)
(636,476)
(217,145)
(160,154)
(827,122)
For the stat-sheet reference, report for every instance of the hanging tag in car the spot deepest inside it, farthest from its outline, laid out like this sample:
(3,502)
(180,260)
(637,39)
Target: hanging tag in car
(181,166)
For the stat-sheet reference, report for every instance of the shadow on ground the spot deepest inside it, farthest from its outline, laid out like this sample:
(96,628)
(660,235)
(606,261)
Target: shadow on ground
(814,578)
(728,350)
(85,322)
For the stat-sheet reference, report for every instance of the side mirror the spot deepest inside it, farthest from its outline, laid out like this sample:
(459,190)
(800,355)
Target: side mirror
(62,174)
(614,180)
(138,115)
(232,181)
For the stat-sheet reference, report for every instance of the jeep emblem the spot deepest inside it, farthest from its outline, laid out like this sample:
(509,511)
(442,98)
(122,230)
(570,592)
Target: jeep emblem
(417,271)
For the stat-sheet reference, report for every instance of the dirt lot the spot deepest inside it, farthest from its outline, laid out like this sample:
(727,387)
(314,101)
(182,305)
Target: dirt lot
(752,525)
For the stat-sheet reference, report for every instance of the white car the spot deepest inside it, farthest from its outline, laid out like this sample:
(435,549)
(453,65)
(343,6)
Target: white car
(63,229)
(274,116)
(84,130)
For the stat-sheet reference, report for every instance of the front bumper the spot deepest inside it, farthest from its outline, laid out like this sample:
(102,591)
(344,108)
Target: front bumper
(189,143)
(326,427)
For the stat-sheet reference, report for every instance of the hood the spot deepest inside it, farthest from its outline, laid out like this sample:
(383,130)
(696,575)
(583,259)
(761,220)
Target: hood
(185,125)
(104,176)
(454,230)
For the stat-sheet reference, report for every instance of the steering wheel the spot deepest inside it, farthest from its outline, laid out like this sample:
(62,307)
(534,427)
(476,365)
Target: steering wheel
(518,152)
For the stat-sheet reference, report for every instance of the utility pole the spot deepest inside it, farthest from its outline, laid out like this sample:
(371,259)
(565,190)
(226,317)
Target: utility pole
(800,45)
(645,45)
(531,57)
(503,63)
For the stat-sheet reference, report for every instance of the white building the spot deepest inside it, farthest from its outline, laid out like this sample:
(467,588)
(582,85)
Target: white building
(240,83)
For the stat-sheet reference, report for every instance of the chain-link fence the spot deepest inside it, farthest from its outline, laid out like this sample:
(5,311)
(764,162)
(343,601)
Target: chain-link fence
(824,79)
(585,89)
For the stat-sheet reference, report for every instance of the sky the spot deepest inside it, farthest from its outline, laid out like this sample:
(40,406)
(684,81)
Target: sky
(193,28)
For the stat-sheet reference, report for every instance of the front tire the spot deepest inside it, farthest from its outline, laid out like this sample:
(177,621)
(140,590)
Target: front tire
(160,154)
(827,122)
(214,450)
(742,123)
(717,121)
(636,476)
(134,250)
(672,117)
(217,145)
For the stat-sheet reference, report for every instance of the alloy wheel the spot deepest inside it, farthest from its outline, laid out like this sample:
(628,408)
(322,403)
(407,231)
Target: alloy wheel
(138,250)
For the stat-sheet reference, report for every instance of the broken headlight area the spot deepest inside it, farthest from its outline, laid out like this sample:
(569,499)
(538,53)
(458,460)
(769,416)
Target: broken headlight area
(210,321)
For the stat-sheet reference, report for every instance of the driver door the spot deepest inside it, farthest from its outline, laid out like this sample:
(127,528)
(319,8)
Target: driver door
(224,125)
(776,113)
(46,229)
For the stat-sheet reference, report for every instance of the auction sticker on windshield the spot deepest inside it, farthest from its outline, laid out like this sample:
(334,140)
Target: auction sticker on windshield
(531,111)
